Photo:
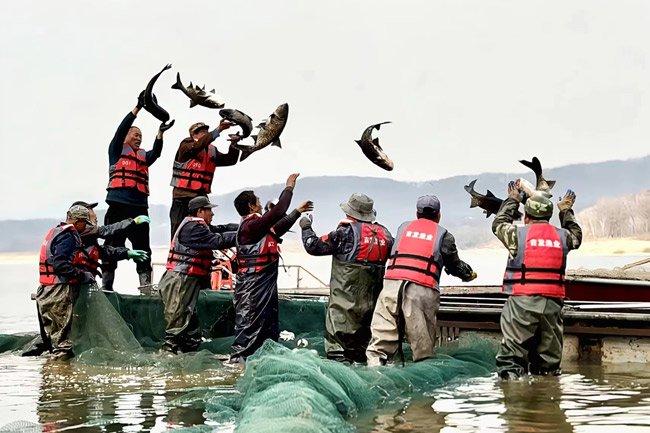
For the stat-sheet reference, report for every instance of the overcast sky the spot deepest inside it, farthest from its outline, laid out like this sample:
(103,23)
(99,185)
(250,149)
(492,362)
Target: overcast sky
(470,86)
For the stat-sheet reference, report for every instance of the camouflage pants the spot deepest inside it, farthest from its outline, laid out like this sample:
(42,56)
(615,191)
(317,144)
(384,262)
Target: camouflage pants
(179,293)
(532,335)
(419,306)
(55,306)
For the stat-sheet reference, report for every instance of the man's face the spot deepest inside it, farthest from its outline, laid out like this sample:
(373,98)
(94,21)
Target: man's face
(93,217)
(257,207)
(133,137)
(197,135)
(80,225)
(206,214)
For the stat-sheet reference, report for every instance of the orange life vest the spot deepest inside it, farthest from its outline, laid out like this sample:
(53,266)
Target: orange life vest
(370,243)
(47,275)
(130,171)
(538,267)
(416,254)
(256,257)
(186,260)
(196,173)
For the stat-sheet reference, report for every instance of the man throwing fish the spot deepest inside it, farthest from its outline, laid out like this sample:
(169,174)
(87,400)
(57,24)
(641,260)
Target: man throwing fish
(531,320)
(258,255)
(128,190)
(359,248)
(410,299)
(194,166)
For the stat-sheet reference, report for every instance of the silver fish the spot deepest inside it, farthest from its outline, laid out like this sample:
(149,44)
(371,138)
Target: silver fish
(269,134)
(240,119)
(198,95)
(371,148)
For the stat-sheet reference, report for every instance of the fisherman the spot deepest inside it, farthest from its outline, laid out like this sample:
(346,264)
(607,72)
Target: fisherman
(531,320)
(92,256)
(194,166)
(128,189)
(188,271)
(60,280)
(359,248)
(410,298)
(258,254)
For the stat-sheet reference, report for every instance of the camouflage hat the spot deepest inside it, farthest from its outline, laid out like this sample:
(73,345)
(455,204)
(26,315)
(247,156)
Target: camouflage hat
(78,212)
(539,206)
(197,126)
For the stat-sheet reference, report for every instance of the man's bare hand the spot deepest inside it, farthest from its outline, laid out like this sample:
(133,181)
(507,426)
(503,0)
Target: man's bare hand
(223,125)
(291,180)
(306,206)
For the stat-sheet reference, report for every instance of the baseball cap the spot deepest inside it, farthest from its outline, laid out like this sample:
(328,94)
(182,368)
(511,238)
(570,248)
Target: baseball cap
(428,201)
(199,203)
(197,126)
(78,212)
(84,204)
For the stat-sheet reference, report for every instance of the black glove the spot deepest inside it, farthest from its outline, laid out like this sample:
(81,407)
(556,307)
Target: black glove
(140,103)
(305,222)
(165,126)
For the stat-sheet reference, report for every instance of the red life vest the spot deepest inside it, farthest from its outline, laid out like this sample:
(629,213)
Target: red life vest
(416,255)
(256,257)
(539,266)
(196,173)
(46,271)
(88,258)
(130,171)
(371,243)
(186,260)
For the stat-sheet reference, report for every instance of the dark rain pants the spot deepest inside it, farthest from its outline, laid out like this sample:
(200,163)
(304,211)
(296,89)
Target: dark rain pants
(55,310)
(354,289)
(137,234)
(532,336)
(256,311)
(179,293)
(178,212)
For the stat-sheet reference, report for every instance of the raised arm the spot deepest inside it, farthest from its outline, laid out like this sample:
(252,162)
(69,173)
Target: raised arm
(568,220)
(503,226)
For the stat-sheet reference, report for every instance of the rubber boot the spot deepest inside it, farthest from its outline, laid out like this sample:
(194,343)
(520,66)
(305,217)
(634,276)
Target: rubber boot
(107,280)
(145,282)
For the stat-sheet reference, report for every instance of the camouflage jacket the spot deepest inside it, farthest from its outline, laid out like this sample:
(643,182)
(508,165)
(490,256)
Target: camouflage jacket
(506,231)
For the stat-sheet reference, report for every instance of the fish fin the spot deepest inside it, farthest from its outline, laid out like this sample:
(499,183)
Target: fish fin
(254,137)
(178,84)
(245,151)
(358,142)
(191,85)
(469,188)
(489,194)
(261,125)
(551,184)
(277,143)
(193,103)
(378,125)
(213,91)
(473,202)
(375,141)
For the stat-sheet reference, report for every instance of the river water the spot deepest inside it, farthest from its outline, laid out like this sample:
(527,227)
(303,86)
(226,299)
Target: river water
(59,396)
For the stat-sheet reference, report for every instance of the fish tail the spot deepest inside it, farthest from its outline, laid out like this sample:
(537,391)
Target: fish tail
(178,84)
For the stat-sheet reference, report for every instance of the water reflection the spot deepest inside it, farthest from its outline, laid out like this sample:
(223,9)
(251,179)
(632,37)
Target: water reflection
(613,398)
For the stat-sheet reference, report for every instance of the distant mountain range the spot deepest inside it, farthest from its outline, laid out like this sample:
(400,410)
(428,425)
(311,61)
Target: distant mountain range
(394,200)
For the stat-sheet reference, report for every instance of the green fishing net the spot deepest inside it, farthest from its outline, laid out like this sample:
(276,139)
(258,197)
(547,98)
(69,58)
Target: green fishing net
(295,390)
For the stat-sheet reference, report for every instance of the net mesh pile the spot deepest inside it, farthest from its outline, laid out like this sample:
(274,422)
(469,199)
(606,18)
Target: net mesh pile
(295,390)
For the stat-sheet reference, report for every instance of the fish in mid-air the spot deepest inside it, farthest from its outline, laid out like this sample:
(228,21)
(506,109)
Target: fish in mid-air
(269,134)
(541,184)
(150,101)
(238,118)
(198,95)
(371,148)
(488,202)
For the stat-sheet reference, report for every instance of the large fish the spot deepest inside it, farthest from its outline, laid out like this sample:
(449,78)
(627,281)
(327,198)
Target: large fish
(269,134)
(150,101)
(198,95)
(541,183)
(371,148)
(240,119)
(488,202)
